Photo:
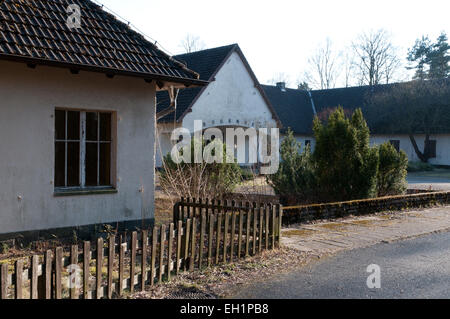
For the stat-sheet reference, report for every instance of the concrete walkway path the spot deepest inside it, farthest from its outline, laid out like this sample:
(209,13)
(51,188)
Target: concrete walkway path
(351,233)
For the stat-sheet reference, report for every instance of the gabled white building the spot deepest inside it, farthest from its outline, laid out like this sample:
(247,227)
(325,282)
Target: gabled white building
(233,98)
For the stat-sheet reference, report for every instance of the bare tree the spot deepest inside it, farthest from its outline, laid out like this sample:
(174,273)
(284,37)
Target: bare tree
(348,67)
(324,67)
(192,43)
(376,59)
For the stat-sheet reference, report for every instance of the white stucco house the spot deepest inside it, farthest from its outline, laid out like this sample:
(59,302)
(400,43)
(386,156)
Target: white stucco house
(233,98)
(297,108)
(77,118)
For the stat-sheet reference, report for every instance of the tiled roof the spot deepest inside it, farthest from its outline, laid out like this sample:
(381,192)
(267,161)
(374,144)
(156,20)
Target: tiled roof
(206,63)
(35,31)
(293,107)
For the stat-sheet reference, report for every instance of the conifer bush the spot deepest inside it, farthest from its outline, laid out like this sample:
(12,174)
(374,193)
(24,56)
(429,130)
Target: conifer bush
(346,165)
(392,171)
(342,167)
(296,179)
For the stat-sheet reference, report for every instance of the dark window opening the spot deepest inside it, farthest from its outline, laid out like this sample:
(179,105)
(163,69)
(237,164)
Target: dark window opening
(432,148)
(83,151)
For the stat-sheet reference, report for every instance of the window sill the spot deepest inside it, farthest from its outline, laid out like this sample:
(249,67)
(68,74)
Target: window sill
(84,191)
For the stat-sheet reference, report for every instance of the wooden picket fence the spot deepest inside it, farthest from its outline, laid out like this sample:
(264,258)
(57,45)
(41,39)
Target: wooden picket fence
(192,207)
(113,266)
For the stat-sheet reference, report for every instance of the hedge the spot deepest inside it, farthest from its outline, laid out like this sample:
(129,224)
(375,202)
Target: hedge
(298,214)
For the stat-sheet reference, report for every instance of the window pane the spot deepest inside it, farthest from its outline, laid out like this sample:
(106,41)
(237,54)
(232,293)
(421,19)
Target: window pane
(91,126)
(60,125)
(60,160)
(105,127)
(432,148)
(91,164)
(73,125)
(105,164)
(73,164)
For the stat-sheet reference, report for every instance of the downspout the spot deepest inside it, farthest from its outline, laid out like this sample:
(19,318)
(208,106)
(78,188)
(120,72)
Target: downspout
(312,103)
(173,94)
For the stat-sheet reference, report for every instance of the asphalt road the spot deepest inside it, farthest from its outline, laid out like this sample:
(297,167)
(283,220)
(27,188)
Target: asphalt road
(416,268)
(438,180)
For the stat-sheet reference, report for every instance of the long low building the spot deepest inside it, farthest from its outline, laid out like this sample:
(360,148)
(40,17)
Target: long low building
(296,108)
(234,98)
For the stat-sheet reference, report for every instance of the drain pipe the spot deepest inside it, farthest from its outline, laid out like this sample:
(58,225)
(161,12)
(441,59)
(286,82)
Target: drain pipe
(312,103)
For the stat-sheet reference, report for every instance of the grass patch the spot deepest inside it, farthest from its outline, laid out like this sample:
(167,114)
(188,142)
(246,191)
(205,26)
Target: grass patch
(420,167)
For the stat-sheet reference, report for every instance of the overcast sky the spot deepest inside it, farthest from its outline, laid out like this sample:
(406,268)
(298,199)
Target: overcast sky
(278,36)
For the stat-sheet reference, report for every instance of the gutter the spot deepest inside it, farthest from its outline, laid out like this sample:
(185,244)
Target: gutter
(187,82)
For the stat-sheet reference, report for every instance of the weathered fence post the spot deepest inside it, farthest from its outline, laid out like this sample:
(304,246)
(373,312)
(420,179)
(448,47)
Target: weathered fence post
(241,225)
(99,268)
(73,262)
(210,239)
(247,230)
(122,250)
(161,253)
(34,277)
(179,245)
(218,237)
(280,223)
(46,284)
(186,245)
(58,272)
(111,256)
(19,279)
(225,237)
(193,244)
(133,260)
(86,269)
(153,258)
(4,281)
(202,239)
(233,230)
(144,259)
(255,223)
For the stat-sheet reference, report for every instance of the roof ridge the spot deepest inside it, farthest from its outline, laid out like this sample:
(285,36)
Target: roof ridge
(209,49)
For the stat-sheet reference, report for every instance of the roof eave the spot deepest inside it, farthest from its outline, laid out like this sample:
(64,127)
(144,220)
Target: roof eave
(183,82)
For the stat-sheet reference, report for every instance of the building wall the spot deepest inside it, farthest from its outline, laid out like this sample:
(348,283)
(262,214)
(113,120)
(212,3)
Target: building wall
(442,145)
(28,98)
(231,100)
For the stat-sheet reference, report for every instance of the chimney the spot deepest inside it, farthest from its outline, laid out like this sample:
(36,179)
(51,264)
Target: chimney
(282,86)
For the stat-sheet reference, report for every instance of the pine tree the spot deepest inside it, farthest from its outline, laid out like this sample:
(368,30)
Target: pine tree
(431,59)
(419,54)
(440,58)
